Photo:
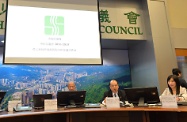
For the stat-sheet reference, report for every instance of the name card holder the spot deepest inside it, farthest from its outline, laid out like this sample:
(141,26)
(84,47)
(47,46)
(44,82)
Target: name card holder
(112,102)
(169,101)
(50,104)
(12,104)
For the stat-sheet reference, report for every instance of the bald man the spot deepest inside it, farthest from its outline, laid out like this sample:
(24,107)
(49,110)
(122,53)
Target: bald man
(71,86)
(114,92)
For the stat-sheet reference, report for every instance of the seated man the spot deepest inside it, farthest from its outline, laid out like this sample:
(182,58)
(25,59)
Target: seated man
(71,86)
(114,92)
(178,73)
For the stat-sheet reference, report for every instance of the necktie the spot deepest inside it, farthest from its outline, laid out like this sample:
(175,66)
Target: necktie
(115,95)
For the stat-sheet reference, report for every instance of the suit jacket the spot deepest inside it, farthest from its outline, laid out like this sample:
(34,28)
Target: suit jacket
(183,83)
(121,95)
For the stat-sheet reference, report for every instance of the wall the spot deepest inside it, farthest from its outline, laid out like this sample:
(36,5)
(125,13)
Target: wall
(142,57)
(163,46)
(149,59)
(176,10)
(2,16)
(119,15)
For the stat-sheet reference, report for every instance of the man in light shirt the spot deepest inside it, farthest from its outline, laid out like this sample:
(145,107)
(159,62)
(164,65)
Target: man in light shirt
(71,86)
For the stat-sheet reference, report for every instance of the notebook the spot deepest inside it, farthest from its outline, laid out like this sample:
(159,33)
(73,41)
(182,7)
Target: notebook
(38,100)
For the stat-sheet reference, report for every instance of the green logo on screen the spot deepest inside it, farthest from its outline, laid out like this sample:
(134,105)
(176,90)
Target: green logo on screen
(54,25)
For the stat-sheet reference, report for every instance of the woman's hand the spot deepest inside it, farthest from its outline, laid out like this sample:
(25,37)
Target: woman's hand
(178,98)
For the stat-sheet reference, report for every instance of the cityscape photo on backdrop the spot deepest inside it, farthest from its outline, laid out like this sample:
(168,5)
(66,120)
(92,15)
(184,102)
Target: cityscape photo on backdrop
(22,81)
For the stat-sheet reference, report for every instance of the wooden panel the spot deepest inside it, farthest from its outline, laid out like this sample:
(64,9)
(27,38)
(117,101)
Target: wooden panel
(136,116)
(36,118)
(23,119)
(117,119)
(54,117)
(100,117)
(97,119)
(77,117)
(163,117)
(109,113)
(182,117)
(108,116)
(181,52)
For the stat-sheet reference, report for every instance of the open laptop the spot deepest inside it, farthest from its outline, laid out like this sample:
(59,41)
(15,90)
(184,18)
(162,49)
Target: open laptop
(182,103)
(38,100)
(2,94)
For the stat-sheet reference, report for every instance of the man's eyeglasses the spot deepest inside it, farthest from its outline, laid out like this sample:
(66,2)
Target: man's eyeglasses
(113,85)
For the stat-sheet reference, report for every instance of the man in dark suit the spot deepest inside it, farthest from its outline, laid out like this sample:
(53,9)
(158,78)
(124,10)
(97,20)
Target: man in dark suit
(178,73)
(114,92)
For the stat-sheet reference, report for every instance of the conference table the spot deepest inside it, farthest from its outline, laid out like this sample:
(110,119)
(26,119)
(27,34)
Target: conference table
(103,114)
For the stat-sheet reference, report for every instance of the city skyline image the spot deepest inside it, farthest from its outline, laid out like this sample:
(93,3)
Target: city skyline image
(22,81)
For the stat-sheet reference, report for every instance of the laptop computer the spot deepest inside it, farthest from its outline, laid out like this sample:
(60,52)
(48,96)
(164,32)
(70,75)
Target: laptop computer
(182,103)
(38,100)
(2,94)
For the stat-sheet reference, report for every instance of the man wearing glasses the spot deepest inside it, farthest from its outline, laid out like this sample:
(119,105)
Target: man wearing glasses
(114,92)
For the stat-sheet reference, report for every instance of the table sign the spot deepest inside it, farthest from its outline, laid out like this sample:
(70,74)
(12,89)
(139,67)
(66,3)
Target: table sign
(112,102)
(169,101)
(12,104)
(50,104)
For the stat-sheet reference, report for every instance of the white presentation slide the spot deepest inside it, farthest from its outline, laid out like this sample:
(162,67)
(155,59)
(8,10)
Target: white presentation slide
(38,35)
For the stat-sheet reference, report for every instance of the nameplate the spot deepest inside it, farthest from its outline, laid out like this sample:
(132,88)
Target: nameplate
(50,104)
(12,104)
(112,102)
(169,101)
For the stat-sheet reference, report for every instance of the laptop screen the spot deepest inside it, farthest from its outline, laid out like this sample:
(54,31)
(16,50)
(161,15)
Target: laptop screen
(65,98)
(38,100)
(142,94)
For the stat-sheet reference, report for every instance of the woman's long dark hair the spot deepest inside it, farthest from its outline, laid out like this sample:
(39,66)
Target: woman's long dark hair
(176,79)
